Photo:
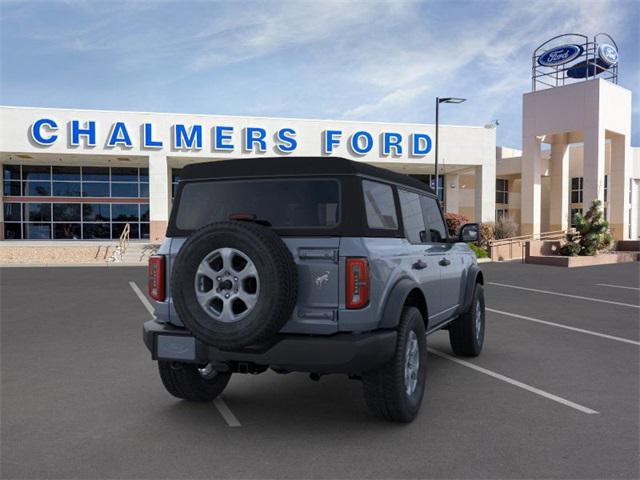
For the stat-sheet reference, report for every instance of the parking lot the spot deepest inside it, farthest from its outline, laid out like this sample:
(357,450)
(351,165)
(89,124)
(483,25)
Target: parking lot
(555,394)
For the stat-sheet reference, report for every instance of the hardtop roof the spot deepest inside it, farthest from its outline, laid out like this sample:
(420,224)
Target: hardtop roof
(294,166)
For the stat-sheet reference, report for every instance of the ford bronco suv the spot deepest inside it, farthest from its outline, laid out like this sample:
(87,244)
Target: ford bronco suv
(318,265)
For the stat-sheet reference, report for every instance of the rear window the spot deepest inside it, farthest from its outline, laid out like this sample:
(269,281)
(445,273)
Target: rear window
(290,203)
(380,206)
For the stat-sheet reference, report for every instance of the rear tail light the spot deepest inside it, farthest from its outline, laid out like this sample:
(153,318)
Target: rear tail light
(156,277)
(357,282)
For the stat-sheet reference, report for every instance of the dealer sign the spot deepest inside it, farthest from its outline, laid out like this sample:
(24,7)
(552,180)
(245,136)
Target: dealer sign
(560,55)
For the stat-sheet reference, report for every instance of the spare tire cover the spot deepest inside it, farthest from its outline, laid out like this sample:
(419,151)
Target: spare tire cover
(234,284)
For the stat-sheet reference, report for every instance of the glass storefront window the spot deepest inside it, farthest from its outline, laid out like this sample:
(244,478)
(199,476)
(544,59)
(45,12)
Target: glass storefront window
(11,172)
(124,174)
(124,190)
(37,212)
(66,212)
(95,189)
(13,231)
(36,172)
(12,212)
(11,188)
(96,231)
(37,231)
(66,189)
(124,212)
(69,231)
(95,174)
(144,190)
(66,173)
(37,189)
(96,212)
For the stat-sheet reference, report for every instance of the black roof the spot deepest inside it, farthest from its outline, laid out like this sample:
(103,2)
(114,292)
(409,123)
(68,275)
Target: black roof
(294,166)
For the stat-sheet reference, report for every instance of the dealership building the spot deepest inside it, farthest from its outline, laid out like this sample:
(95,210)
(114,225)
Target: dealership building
(85,174)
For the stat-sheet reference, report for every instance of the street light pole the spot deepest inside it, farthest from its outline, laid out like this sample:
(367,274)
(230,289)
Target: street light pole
(438,102)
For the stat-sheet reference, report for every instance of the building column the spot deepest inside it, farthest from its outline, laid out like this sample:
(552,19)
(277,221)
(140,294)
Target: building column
(485,192)
(559,196)
(618,188)
(531,186)
(593,167)
(452,192)
(158,196)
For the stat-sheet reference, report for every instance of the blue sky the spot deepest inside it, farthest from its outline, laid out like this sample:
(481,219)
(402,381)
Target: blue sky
(373,61)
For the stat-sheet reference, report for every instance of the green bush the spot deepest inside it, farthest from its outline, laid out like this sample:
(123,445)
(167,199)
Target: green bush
(592,233)
(480,252)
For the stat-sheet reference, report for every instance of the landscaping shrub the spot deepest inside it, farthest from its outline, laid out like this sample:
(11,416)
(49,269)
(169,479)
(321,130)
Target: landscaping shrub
(486,233)
(592,233)
(505,227)
(480,252)
(454,222)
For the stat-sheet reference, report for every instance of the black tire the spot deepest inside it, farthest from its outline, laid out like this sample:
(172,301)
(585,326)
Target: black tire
(465,334)
(385,391)
(183,380)
(277,293)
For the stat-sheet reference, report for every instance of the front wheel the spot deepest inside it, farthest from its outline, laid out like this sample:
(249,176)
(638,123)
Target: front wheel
(394,392)
(193,383)
(466,333)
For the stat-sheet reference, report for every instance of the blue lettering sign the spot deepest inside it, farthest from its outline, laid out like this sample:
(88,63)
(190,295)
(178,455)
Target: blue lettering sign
(391,140)
(331,140)
(420,144)
(222,136)
(359,147)
(89,131)
(253,136)
(119,136)
(186,139)
(37,134)
(147,138)
(286,141)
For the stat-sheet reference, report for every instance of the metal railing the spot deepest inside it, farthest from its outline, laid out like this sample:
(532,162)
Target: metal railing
(123,244)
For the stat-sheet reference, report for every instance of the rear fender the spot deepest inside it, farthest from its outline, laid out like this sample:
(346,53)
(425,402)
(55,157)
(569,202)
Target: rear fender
(397,300)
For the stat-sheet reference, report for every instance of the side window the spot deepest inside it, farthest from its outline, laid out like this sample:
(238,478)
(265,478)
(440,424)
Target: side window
(380,206)
(412,217)
(436,231)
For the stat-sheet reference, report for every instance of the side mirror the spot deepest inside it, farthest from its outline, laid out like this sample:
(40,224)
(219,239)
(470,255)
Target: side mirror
(469,232)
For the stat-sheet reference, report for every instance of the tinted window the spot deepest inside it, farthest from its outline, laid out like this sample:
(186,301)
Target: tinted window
(66,212)
(436,231)
(36,172)
(124,174)
(96,212)
(12,231)
(66,173)
(124,190)
(37,231)
(37,212)
(95,173)
(12,212)
(124,212)
(95,189)
(66,189)
(96,230)
(12,189)
(37,189)
(412,217)
(281,203)
(69,231)
(379,204)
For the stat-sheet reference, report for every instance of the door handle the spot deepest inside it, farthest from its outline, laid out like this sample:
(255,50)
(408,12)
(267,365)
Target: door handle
(419,265)
(444,262)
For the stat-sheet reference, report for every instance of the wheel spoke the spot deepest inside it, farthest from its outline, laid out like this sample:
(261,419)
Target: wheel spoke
(205,269)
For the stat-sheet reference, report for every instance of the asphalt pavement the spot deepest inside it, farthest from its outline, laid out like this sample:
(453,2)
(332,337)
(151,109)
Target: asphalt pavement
(555,393)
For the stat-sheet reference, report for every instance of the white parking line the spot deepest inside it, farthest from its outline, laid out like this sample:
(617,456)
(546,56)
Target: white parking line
(226,413)
(616,286)
(143,299)
(516,383)
(590,299)
(567,327)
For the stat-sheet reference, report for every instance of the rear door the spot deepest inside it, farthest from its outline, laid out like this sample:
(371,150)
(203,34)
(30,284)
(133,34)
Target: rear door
(423,264)
(443,253)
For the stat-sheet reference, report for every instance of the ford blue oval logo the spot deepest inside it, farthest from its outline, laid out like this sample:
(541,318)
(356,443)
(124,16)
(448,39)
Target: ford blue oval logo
(608,54)
(560,55)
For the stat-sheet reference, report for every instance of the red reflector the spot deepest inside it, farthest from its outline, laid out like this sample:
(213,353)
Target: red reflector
(156,277)
(357,283)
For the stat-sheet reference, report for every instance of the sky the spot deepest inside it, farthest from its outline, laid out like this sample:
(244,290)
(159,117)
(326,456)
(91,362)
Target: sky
(344,60)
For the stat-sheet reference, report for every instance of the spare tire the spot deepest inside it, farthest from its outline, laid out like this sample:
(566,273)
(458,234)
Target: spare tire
(234,284)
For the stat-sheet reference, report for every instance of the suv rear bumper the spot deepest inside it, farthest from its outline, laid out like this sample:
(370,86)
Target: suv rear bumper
(339,353)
